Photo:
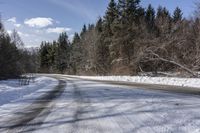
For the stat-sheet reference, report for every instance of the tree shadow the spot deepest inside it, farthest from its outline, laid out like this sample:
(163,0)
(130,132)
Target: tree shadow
(132,110)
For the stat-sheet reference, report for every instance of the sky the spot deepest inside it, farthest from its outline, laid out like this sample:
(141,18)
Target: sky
(43,20)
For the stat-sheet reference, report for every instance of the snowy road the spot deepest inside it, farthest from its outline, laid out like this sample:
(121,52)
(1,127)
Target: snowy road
(78,106)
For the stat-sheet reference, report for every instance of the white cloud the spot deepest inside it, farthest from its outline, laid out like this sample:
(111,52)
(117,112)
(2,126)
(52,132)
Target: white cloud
(12,20)
(38,31)
(39,22)
(23,34)
(58,30)
(17,25)
(19,32)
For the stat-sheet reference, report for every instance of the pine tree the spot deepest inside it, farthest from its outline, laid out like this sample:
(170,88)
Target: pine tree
(150,18)
(90,27)
(111,13)
(163,13)
(99,25)
(44,63)
(62,53)
(76,54)
(121,6)
(8,58)
(84,30)
(163,21)
(177,16)
(102,59)
(104,29)
(124,31)
(129,10)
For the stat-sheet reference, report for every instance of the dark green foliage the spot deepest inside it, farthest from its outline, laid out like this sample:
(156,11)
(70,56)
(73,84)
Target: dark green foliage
(76,54)
(55,57)
(178,15)
(62,53)
(14,59)
(163,13)
(102,49)
(129,10)
(9,63)
(150,18)
(45,57)
(112,12)
(84,29)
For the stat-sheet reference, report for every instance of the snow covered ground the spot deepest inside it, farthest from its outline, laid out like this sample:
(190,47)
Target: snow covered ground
(27,102)
(93,107)
(11,90)
(183,82)
(89,107)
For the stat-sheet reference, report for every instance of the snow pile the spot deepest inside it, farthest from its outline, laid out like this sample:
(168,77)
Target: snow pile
(184,82)
(11,90)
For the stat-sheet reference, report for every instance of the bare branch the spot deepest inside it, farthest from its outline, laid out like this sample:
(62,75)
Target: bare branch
(157,57)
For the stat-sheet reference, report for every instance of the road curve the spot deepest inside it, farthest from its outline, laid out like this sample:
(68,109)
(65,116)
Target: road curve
(89,106)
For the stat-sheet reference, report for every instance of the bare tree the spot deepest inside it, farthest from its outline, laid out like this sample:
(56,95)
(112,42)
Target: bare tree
(16,39)
(197,10)
(150,54)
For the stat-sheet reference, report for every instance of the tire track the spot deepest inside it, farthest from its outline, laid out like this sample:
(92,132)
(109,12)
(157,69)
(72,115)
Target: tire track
(40,109)
(81,103)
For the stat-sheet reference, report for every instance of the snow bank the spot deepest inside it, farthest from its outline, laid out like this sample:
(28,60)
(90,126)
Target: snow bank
(11,90)
(184,82)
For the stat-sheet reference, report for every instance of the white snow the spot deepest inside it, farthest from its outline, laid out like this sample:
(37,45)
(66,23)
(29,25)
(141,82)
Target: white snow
(11,90)
(91,107)
(184,82)
(109,109)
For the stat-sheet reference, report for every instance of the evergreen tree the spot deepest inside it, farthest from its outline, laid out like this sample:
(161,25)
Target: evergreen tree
(62,53)
(84,30)
(163,21)
(121,5)
(99,25)
(104,30)
(12,63)
(90,26)
(129,10)
(76,54)
(111,13)
(44,60)
(102,60)
(150,18)
(177,16)
(9,62)
(163,13)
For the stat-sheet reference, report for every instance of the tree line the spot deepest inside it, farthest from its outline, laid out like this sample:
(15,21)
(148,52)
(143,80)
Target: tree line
(128,40)
(15,60)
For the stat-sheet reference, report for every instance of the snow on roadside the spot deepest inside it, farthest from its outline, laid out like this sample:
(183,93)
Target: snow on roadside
(183,82)
(11,90)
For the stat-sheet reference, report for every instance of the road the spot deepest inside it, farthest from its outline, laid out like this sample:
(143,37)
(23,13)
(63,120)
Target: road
(80,106)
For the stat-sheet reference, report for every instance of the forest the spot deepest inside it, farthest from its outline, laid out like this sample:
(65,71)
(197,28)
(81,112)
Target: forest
(128,40)
(15,59)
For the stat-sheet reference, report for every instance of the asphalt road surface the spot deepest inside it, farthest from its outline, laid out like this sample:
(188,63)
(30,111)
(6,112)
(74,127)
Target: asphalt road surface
(80,106)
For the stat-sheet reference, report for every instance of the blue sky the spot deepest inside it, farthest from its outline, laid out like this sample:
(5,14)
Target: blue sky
(38,20)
